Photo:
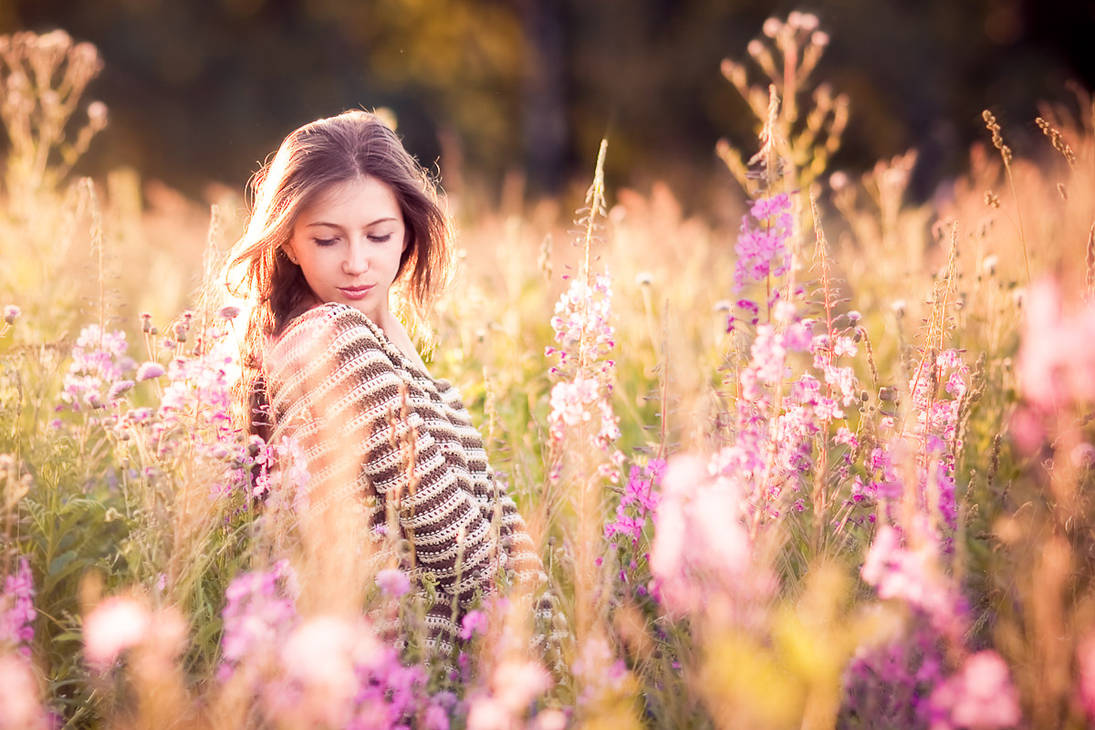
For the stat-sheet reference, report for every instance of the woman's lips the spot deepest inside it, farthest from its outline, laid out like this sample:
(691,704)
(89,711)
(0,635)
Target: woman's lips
(356,292)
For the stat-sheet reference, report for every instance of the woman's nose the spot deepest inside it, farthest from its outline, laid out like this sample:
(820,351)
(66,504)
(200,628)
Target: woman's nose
(357,258)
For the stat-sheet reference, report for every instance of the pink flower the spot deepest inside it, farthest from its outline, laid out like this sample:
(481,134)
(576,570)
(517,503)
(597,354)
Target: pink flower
(980,695)
(393,582)
(11,313)
(474,622)
(320,657)
(762,243)
(913,575)
(700,543)
(518,682)
(20,703)
(116,624)
(149,370)
(845,346)
(487,713)
(1057,356)
(17,612)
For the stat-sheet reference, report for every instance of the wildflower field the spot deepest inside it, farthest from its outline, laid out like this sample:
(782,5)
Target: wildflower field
(830,468)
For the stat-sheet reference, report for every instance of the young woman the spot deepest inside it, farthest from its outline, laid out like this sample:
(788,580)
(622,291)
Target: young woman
(342,217)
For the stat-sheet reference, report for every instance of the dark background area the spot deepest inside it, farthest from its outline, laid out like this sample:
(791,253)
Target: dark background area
(204,90)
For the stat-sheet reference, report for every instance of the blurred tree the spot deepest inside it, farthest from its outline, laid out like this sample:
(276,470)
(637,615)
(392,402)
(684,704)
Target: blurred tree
(205,90)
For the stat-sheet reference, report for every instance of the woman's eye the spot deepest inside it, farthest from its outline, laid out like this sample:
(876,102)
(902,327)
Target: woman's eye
(380,239)
(324,241)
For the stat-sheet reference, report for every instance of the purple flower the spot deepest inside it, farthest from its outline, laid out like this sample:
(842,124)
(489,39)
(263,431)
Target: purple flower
(762,243)
(149,370)
(639,500)
(17,612)
(889,685)
(11,313)
(980,695)
(474,622)
(259,613)
(99,363)
(393,582)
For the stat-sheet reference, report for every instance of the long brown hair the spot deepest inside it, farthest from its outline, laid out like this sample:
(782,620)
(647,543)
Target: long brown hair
(312,158)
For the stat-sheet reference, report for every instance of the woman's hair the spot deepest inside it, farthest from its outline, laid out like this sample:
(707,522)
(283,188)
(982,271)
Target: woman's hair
(311,159)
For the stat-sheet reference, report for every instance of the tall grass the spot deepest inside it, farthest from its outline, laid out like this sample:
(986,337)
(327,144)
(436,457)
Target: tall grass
(830,469)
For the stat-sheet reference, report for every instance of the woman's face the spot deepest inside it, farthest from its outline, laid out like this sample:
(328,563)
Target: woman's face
(348,243)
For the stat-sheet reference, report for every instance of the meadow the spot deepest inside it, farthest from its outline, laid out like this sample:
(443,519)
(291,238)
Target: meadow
(830,468)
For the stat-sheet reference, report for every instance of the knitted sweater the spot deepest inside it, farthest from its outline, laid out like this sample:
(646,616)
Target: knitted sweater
(362,412)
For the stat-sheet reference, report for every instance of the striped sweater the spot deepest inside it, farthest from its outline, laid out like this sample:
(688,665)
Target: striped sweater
(369,420)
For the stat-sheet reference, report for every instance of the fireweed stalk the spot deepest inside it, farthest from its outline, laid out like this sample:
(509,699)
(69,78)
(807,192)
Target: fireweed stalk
(584,459)
(779,419)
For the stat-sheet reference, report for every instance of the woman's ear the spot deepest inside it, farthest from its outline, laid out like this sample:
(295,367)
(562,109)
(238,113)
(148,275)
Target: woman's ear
(287,247)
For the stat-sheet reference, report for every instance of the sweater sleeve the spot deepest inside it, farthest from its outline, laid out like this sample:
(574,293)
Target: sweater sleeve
(360,415)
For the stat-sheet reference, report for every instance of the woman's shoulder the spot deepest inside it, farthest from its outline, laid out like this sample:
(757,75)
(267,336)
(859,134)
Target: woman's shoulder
(320,332)
(326,323)
(334,316)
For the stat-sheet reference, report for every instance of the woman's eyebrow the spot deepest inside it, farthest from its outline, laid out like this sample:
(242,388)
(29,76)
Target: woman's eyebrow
(335,225)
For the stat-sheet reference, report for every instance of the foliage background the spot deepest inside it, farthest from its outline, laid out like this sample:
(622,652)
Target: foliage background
(203,91)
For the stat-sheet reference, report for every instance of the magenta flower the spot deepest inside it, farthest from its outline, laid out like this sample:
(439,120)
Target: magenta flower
(149,370)
(258,615)
(99,363)
(17,612)
(116,624)
(700,543)
(914,575)
(980,695)
(762,243)
(639,500)
(393,582)
(474,622)
(1057,357)
(20,701)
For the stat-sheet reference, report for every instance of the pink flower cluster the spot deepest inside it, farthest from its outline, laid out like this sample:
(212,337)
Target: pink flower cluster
(585,375)
(97,375)
(259,613)
(1056,365)
(890,685)
(122,623)
(199,387)
(936,431)
(512,686)
(762,243)
(20,697)
(582,401)
(335,672)
(114,625)
(700,544)
(582,312)
(979,695)
(17,612)
(914,574)
(639,500)
(1057,357)
(776,425)
(322,671)
(193,415)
